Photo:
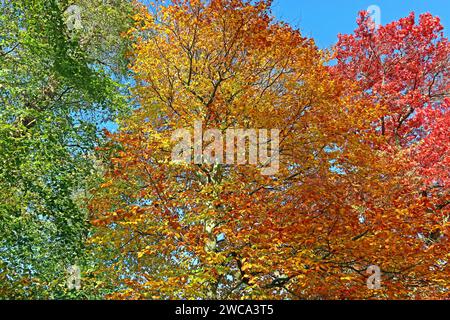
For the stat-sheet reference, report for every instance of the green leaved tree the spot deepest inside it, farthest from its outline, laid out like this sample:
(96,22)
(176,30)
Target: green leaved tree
(59,86)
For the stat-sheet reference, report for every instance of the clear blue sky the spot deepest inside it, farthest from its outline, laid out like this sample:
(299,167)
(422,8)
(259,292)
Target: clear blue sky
(324,19)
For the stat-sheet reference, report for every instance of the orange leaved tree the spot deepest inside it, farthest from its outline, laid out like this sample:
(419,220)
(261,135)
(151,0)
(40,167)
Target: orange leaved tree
(305,223)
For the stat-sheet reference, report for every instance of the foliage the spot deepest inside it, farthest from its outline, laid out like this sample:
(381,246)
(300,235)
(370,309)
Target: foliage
(343,199)
(57,89)
(404,67)
(364,154)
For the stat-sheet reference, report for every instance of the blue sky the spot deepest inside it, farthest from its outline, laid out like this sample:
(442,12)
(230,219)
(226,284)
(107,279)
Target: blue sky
(324,19)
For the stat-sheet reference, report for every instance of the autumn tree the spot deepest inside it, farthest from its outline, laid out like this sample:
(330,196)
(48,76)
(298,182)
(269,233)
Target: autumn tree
(214,230)
(404,67)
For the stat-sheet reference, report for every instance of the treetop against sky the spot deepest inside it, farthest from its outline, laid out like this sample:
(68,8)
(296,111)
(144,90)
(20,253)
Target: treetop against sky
(325,19)
(170,205)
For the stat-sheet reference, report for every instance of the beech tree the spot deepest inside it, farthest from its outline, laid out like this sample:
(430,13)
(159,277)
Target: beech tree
(338,204)
(338,162)
(58,87)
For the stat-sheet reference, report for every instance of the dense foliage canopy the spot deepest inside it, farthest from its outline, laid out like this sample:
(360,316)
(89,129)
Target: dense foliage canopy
(57,87)
(364,162)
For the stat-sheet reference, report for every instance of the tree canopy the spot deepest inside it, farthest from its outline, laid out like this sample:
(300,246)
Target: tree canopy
(57,88)
(88,117)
